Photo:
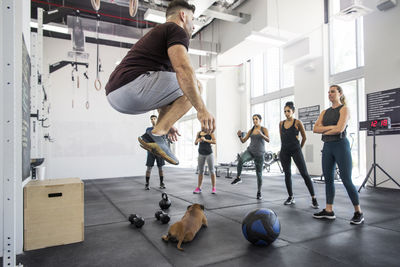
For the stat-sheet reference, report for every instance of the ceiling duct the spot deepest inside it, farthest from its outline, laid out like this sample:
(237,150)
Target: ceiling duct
(227,15)
(127,34)
(109,28)
(352,9)
(201,6)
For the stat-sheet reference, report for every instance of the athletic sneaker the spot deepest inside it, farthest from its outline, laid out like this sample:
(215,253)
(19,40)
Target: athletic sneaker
(213,191)
(146,187)
(358,218)
(162,185)
(259,196)
(325,215)
(197,191)
(289,201)
(158,146)
(236,181)
(314,203)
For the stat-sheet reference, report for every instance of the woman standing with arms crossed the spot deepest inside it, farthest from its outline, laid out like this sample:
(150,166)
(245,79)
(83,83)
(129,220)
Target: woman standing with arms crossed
(205,154)
(332,124)
(289,130)
(255,151)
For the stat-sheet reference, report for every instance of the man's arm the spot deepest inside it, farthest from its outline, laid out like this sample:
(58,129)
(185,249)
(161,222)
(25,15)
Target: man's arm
(188,82)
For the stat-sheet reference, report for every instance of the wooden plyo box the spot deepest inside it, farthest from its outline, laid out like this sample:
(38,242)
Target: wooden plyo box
(53,213)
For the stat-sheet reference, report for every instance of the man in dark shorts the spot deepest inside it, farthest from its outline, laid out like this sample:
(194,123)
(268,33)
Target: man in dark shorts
(157,74)
(150,161)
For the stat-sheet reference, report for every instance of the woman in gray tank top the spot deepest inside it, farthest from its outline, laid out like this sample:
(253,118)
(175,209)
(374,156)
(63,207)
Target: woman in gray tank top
(332,124)
(255,151)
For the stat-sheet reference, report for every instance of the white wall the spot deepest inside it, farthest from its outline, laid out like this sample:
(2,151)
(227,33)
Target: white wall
(382,69)
(98,142)
(310,94)
(310,83)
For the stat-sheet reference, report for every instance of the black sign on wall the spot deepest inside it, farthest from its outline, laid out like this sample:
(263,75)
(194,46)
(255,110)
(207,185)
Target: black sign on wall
(385,104)
(26,112)
(309,116)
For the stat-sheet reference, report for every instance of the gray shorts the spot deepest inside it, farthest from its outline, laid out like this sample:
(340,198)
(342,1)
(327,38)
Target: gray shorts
(149,91)
(210,162)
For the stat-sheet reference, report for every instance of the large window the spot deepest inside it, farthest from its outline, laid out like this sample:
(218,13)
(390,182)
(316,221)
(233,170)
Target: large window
(346,69)
(188,126)
(257,76)
(185,149)
(354,92)
(269,74)
(272,70)
(272,86)
(346,42)
(272,118)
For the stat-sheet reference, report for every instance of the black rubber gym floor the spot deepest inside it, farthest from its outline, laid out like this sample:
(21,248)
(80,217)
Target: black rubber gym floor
(110,240)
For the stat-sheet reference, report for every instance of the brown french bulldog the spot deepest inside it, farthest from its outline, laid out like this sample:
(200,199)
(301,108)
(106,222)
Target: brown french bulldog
(186,229)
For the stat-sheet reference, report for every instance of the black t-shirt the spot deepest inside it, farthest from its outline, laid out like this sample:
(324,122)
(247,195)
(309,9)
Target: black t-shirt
(331,117)
(204,147)
(148,54)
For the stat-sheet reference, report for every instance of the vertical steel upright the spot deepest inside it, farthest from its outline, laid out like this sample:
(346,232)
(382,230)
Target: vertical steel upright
(9,86)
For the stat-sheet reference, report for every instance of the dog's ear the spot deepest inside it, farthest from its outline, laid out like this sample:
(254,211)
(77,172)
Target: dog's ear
(202,207)
(188,207)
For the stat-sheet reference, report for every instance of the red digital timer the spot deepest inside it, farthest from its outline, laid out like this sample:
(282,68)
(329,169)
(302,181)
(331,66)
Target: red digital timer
(380,123)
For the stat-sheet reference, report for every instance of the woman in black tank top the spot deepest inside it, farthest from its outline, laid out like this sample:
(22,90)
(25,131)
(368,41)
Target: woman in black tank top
(291,148)
(205,140)
(332,124)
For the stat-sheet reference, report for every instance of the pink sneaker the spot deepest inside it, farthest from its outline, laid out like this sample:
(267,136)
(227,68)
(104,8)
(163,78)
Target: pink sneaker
(197,191)
(213,191)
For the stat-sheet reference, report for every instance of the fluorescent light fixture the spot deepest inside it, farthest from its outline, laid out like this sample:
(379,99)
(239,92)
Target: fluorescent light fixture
(266,39)
(155,16)
(52,28)
(197,52)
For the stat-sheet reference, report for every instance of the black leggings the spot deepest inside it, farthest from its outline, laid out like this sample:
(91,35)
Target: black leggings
(285,157)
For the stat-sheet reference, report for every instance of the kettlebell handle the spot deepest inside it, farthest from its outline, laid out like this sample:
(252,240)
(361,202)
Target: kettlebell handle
(164,196)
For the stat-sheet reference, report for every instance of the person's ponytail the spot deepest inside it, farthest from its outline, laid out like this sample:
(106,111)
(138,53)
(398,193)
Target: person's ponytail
(343,99)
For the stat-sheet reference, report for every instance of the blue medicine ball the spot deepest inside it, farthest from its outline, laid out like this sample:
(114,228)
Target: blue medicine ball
(261,227)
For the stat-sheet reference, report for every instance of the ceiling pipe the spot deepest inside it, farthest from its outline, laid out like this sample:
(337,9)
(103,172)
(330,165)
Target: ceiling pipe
(92,12)
(227,15)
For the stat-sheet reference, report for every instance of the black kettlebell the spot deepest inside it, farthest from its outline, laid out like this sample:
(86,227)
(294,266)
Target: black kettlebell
(136,220)
(164,218)
(164,203)
(157,214)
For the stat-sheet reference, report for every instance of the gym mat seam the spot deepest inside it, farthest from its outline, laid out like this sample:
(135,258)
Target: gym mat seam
(145,237)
